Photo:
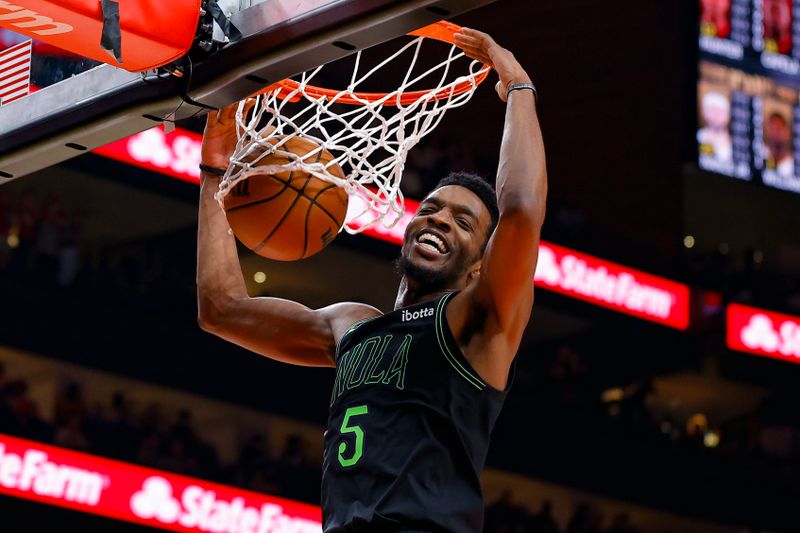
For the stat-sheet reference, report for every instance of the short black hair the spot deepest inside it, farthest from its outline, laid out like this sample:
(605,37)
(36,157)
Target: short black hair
(480,187)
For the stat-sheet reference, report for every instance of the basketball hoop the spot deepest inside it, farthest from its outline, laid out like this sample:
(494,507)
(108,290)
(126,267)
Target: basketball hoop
(369,134)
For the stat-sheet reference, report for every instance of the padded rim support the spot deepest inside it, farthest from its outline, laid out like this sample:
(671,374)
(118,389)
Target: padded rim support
(106,104)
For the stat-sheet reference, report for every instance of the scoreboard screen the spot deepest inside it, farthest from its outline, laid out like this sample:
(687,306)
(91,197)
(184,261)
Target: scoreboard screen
(747,94)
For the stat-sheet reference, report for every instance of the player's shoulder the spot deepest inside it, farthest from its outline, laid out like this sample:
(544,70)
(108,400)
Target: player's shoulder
(343,315)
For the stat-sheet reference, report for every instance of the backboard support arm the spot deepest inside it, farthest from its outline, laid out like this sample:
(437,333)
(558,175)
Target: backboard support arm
(105,104)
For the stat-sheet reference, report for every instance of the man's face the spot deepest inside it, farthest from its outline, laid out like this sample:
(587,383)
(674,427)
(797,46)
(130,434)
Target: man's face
(716,116)
(445,239)
(777,137)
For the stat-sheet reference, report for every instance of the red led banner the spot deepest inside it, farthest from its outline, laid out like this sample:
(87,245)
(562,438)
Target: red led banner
(122,491)
(614,286)
(762,332)
(562,270)
(176,153)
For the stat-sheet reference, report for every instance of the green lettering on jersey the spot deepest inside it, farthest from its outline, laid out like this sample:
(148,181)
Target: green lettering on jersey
(397,370)
(359,365)
(337,384)
(349,367)
(347,363)
(367,348)
(375,360)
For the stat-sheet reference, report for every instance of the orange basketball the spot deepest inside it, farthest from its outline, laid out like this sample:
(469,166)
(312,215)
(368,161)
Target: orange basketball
(288,215)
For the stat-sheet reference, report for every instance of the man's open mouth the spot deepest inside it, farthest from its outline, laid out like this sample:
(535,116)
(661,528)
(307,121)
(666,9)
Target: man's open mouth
(433,242)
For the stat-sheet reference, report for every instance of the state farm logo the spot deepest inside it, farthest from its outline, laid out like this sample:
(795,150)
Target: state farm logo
(178,152)
(760,334)
(414,315)
(33,22)
(155,501)
(33,472)
(574,274)
(200,509)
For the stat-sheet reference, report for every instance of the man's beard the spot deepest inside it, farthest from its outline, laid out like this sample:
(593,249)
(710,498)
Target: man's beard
(428,278)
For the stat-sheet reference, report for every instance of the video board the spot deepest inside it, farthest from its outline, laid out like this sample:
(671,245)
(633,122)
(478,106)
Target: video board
(747,94)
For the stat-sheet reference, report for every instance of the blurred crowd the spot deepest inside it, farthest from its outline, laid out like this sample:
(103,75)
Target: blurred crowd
(148,438)
(504,516)
(574,385)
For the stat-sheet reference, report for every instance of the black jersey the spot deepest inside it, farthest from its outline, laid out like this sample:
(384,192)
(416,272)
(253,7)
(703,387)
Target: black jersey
(409,428)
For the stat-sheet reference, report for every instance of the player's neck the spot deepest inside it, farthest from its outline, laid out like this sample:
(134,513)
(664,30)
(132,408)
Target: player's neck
(411,292)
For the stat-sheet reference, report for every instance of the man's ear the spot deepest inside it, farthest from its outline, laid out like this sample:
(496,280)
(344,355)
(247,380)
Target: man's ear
(474,272)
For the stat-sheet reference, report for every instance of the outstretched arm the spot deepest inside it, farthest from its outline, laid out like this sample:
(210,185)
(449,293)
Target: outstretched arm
(279,329)
(502,295)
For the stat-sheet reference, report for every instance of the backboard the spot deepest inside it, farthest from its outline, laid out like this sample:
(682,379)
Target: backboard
(280,38)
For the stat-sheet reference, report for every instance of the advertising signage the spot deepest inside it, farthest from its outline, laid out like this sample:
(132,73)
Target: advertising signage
(763,332)
(613,286)
(122,491)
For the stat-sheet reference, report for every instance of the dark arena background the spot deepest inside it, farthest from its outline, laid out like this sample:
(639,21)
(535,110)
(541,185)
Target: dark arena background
(657,384)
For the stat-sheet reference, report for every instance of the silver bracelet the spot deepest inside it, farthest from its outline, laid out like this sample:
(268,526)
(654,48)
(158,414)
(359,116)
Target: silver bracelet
(517,86)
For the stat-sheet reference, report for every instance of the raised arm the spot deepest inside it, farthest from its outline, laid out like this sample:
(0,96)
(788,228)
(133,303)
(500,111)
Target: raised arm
(502,295)
(279,329)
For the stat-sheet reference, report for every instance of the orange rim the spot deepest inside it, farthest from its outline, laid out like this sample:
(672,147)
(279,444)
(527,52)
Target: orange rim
(441,31)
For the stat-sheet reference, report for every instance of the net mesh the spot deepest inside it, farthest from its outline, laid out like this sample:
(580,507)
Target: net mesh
(368,134)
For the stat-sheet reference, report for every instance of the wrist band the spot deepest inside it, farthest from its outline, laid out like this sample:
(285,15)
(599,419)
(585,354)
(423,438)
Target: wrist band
(518,86)
(212,170)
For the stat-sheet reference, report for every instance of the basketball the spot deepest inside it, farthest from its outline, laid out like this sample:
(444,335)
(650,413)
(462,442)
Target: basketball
(287,215)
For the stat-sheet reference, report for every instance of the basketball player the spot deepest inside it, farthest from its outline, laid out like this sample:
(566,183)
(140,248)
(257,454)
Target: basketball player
(417,389)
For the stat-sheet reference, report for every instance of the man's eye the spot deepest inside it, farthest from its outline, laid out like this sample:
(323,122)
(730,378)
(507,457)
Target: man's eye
(425,211)
(463,223)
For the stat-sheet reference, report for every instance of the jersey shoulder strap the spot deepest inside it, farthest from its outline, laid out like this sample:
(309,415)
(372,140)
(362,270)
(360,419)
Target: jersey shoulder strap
(449,347)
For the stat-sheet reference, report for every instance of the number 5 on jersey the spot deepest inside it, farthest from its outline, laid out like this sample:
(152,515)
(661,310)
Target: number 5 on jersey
(359,435)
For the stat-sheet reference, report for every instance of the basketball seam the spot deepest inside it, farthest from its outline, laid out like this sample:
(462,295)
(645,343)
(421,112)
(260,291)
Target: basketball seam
(308,212)
(312,203)
(301,192)
(263,200)
(285,214)
(322,207)
(286,185)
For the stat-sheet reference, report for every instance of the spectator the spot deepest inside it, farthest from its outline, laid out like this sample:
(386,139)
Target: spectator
(263,480)
(543,522)
(584,520)
(20,415)
(621,524)
(120,436)
(254,457)
(2,382)
(502,514)
(294,451)
(71,434)
(149,450)
(69,404)
(177,458)
(182,431)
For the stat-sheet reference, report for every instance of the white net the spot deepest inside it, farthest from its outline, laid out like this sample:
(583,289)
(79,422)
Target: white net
(368,134)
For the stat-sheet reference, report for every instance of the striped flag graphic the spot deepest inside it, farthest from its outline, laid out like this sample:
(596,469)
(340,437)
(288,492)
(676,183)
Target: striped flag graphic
(15,72)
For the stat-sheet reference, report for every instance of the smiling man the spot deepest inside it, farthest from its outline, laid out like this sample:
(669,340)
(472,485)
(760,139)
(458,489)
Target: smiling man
(418,389)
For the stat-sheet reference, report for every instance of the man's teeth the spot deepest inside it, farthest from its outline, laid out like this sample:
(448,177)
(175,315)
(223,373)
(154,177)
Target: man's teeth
(433,242)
